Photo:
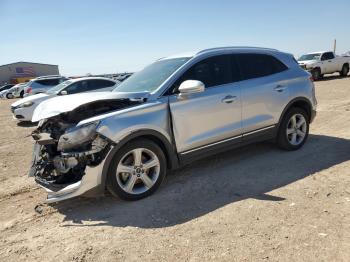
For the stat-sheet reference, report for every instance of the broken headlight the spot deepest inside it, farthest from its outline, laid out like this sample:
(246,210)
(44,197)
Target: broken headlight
(77,136)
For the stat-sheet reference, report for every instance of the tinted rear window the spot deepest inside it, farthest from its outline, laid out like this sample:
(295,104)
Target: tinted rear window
(49,82)
(259,65)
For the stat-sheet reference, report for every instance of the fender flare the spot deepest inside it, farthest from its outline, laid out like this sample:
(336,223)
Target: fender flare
(289,105)
(168,148)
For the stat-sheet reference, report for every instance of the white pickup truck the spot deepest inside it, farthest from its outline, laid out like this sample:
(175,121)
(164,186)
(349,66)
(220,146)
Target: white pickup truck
(321,63)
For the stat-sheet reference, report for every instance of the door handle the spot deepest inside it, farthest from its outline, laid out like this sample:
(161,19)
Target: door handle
(280,88)
(228,99)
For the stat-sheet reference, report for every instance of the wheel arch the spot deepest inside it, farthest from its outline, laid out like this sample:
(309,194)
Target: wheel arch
(155,136)
(300,102)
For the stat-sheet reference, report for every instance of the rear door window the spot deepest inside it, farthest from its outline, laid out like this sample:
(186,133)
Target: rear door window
(258,65)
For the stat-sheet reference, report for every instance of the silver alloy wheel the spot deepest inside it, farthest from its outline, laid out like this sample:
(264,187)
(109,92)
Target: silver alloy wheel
(296,129)
(138,170)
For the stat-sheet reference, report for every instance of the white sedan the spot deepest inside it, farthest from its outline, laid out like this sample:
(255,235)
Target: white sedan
(23,109)
(13,91)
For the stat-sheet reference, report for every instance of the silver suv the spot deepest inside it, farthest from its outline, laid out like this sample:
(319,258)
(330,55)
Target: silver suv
(174,111)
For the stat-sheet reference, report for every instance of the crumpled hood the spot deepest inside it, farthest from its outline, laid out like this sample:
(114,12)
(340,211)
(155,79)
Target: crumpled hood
(30,98)
(62,104)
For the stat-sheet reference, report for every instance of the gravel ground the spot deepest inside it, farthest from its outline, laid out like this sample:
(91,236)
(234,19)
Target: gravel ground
(256,203)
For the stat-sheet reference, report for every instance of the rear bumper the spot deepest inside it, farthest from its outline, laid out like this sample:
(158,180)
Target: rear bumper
(313,115)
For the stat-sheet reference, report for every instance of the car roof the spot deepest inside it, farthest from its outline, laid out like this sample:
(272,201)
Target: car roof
(319,52)
(220,49)
(90,78)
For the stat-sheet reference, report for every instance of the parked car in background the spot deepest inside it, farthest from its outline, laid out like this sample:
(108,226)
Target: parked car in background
(321,63)
(4,93)
(13,91)
(42,84)
(5,87)
(122,77)
(18,90)
(174,111)
(23,109)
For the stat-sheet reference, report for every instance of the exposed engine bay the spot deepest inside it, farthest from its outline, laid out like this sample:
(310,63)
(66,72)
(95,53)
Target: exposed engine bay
(63,151)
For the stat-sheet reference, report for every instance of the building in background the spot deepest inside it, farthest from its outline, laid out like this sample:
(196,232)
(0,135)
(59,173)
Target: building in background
(24,71)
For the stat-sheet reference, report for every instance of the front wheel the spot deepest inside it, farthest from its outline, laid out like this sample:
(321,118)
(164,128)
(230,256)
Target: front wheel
(316,74)
(9,96)
(344,71)
(21,94)
(137,170)
(294,129)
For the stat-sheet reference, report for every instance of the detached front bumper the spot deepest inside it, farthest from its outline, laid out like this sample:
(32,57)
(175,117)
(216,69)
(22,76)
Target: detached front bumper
(91,181)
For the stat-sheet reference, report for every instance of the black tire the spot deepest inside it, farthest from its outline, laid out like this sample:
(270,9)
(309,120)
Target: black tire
(282,137)
(112,184)
(9,96)
(21,94)
(345,70)
(316,74)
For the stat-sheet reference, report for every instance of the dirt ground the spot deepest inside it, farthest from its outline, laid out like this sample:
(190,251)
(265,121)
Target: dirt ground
(256,203)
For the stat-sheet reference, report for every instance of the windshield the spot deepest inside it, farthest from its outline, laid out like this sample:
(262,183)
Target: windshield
(58,88)
(152,76)
(315,56)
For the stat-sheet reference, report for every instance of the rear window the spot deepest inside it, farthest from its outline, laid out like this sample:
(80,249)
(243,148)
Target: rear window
(259,65)
(49,82)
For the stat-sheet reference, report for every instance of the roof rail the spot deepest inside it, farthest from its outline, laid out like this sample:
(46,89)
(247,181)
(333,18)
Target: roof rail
(235,47)
(48,76)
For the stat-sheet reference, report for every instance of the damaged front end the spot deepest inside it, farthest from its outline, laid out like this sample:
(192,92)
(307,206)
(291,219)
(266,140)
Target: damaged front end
(68,159)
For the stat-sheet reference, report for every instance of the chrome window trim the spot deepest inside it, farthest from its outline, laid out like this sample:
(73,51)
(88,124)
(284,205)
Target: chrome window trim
(258,130)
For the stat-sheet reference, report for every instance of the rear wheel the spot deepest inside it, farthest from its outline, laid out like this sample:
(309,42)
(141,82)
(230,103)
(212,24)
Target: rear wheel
(21,94)
(294,129)
(345,70)
(137,170)
(316,74)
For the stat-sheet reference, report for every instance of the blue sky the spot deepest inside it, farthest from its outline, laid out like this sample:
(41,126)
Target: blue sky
(114,36)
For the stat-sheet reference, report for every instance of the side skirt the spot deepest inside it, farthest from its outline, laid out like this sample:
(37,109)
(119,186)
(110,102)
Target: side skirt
(255,136)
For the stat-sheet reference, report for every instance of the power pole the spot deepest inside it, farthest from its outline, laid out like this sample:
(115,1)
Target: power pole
(335,45)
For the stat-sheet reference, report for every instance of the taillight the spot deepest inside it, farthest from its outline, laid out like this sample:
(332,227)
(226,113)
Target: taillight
(311,78)
(29,89)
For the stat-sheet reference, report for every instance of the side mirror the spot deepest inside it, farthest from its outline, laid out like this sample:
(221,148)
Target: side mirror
(191,87)
(64,92)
